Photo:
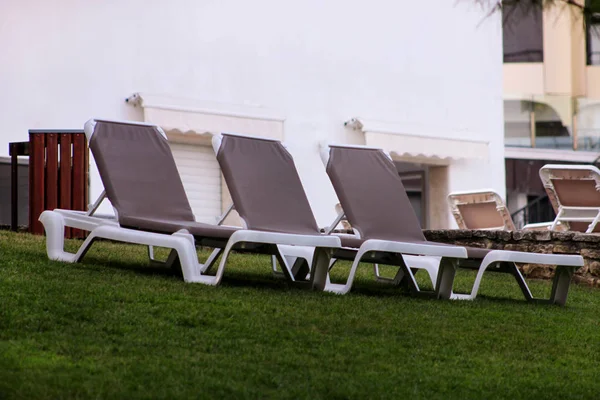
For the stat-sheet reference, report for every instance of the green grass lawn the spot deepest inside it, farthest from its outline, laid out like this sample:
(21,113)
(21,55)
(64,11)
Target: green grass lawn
(113,327)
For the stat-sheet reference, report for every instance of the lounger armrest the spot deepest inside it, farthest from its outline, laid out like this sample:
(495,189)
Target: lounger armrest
(415,248)
(537,226)
(345,235)
(80,219)
(287,239)
(567,260)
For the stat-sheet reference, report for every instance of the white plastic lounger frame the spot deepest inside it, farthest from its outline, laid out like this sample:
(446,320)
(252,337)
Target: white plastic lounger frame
(409,255)
(428,264)
(565,212)
(291,250)
(182,242)
(449,257)
(496,217)
(501,220)
(274,262)
(504,261)
(421,257)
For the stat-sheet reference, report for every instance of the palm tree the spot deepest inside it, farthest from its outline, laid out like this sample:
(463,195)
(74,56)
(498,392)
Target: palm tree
(513,8)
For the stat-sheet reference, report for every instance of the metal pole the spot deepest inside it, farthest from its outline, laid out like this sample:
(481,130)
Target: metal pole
(574,130)
(532,124)
(14,187)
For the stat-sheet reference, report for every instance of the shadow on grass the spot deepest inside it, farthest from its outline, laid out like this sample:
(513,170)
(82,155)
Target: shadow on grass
(231,278)
(260,278)
(142,269)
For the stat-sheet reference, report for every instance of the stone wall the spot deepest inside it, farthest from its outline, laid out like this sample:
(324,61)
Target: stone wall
(547,242)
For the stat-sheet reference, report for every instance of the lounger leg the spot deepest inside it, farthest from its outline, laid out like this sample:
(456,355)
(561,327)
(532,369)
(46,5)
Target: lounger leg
(482,268)
(445,278)
(54,225)
(216,279)
(320,268)
(397,279)
(508,267)
(345,288)
(173,262)
(170,261)
(394,281)
(405,275)
(211,261)
(520,280)
(560,285)
(274,269)
(151,254)
(591,226)
(557,219)
(298,260)
(332,263)
(300,268)
(283,263)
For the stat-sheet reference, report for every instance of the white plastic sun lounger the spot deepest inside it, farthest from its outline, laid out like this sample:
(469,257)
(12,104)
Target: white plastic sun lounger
(574,192)
(480,209)
(262,180)
(376,205)
(485,210)
(141,181)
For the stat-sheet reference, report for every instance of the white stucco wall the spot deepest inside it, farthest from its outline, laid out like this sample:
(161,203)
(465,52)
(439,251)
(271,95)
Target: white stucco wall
(317,62)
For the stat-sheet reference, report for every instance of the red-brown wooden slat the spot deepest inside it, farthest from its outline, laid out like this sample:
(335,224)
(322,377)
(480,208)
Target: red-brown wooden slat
(58,175)
(51,171)
(65,175)
(36,181)
(78,194)
(86,172)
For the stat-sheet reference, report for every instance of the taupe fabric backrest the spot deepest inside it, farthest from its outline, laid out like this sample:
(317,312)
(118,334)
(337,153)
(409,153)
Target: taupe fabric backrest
(265,186)
(481,215)
(372,194)
(577,193)
(138,172)
(572,186)
(480,209)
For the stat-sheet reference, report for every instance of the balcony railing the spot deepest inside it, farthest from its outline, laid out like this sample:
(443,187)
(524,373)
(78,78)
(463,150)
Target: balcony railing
(584,143)
(538,210)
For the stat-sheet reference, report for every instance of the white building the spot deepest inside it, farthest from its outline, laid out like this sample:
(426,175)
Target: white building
(421,79)
(552,94)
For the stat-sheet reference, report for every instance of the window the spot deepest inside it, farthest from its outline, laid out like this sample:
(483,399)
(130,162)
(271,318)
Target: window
(593,39)
(522,32)
(522,116)
(414,179)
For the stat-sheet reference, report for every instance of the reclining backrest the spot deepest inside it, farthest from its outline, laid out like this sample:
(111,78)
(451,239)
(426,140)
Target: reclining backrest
(264,185)
(138,171)
(372,194)
(572,186)
(482,209)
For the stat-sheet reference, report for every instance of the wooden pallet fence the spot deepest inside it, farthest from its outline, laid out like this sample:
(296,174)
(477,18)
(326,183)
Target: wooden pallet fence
(58,175)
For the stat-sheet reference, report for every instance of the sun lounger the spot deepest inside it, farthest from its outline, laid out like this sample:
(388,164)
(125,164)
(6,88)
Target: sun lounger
(386,229)
(485,210)
(574,192)
(268,195)
(480,209)
(142,183)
